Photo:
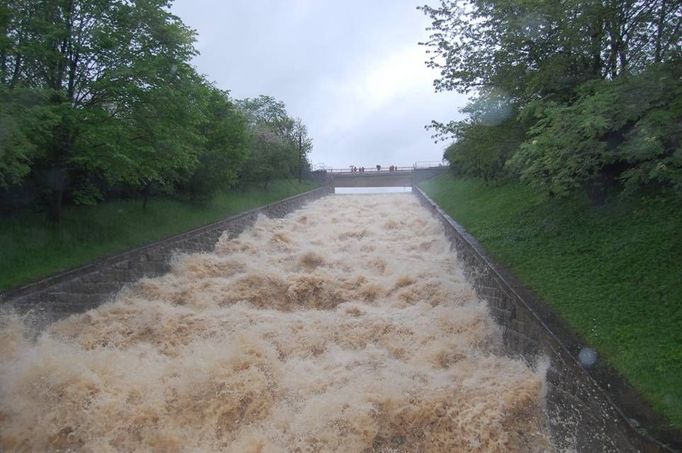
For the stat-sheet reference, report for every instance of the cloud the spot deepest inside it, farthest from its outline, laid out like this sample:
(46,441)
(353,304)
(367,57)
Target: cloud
(351,70)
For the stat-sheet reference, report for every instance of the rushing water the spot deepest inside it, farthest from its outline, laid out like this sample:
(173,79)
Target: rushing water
(364,190)
(346,326)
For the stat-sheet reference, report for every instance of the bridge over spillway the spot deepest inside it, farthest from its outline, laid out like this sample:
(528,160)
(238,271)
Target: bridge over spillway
(384,177)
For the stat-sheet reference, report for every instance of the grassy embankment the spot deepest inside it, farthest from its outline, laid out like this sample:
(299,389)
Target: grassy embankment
(614,272)
(30,248)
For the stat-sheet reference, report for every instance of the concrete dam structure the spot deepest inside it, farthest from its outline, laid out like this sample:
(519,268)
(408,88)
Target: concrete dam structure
(401,177)
(319,323)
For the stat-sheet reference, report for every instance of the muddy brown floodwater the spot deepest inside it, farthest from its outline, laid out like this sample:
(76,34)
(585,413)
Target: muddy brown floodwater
(345,326)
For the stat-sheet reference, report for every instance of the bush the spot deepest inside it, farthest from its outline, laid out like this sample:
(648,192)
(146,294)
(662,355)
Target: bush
(625,131)
(482,149)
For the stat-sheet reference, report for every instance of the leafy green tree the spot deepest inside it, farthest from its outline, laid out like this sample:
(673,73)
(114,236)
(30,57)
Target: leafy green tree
(268,112)
(278,143)
(24,120)
(99,95)
(628,130)
(482,150)
(484,141)
(303,144)
(224,148)
(95,58)
(569,73)
(153,142)
(535,48)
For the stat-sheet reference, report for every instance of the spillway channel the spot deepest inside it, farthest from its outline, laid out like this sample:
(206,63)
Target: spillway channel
(345,326)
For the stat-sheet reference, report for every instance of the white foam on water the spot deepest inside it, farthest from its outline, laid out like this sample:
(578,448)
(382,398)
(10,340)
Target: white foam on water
(346,326)
(370,190)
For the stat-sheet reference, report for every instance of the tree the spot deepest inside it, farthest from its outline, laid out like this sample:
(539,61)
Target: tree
(99,97)
(628,131)
(224,148)
(483,142)
(567,75)
(482,150)
(96,59)
(24,120)
(533,48)
(304,145)
(278,143)
(153,141)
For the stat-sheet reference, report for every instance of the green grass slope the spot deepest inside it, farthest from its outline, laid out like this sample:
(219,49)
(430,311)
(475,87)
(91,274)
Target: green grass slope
(30,248)
(614,272)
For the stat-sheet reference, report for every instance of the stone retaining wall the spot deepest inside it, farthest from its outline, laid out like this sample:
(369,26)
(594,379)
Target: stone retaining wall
(587,405)
(86,287)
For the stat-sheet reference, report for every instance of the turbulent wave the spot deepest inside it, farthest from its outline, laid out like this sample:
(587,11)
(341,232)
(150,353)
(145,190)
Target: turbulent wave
(346,326)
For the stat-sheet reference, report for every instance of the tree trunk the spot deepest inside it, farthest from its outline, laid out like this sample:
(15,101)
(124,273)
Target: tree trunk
(300,157)
(57,175)
(145,195)
(595,45)
(3,67)
(54,212)
(659,33)
(57,183)
(17,70)
(596,192)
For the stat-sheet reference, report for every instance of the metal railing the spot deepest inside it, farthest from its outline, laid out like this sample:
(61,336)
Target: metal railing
(367,170)
(420,165)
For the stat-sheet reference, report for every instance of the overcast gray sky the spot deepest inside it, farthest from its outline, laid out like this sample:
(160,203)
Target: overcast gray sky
(351,69)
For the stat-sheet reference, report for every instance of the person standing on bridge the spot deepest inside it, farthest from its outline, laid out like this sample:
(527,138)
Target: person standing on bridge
(378,167)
